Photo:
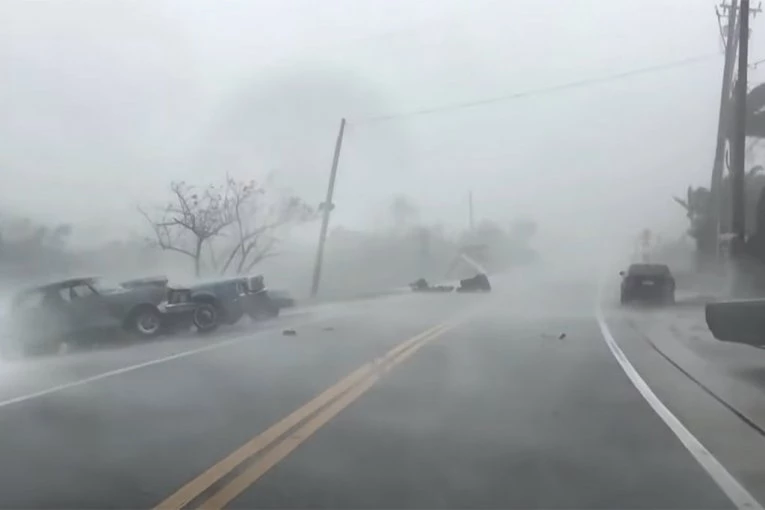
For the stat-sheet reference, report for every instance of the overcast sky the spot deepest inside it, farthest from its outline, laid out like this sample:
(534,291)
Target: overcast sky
(103,103)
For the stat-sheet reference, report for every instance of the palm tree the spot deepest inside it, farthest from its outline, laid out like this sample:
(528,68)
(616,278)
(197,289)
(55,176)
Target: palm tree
(698,201)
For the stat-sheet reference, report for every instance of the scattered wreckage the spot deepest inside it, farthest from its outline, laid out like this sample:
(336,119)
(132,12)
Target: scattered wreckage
(86,310)
(478,283)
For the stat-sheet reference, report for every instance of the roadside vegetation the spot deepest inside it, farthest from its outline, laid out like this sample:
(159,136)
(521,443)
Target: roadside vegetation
(232,227)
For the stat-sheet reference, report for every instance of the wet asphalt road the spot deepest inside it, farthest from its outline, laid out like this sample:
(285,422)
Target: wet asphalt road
(496,412)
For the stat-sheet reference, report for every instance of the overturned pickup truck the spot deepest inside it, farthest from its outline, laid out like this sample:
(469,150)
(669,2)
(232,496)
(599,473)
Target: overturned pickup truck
(478,283)
(738,321)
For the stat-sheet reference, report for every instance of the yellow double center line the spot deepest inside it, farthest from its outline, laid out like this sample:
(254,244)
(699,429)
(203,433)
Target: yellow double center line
(281,439)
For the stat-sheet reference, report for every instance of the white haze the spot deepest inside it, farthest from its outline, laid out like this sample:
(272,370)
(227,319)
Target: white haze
(103,103)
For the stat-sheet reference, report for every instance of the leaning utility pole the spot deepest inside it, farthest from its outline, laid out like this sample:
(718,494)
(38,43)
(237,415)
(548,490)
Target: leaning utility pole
(738,145)
(730,41)
(327,207)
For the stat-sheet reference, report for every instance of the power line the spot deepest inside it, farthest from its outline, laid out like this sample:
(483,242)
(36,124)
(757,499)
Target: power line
(542,90)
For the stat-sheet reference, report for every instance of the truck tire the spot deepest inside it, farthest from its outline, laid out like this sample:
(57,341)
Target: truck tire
(206,317)
(145,321)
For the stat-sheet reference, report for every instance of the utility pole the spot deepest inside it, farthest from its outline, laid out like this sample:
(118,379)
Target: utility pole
(738,145)
(327,207)
(470,210)
(730,41)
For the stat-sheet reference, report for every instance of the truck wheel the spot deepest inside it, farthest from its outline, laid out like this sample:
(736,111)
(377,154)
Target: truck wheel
(624,299)
(146,322)
(206,318)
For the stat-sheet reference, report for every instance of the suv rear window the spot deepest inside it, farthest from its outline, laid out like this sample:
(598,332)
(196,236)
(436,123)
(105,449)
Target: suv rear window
(648,270)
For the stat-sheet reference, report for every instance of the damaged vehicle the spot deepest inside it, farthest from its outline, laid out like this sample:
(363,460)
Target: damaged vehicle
(86,310)
(738,321)
(179,311)
(222,301)
(77,311)
(478,283)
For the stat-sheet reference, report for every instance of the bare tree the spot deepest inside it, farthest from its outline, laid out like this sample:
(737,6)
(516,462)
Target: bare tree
(192,219)
(256,223)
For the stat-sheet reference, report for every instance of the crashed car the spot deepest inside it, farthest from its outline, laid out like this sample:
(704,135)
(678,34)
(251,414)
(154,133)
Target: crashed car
(79,310)
(222,301)
(738,321)
(184,313)
(647,282)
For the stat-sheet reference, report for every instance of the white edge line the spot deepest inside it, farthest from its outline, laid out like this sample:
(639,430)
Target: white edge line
(130,368)
(729,485)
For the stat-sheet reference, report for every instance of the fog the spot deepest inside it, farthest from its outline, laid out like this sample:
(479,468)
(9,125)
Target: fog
(104,104)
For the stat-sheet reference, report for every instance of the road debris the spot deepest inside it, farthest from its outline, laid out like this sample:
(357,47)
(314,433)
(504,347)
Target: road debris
(548,336)
(289,332)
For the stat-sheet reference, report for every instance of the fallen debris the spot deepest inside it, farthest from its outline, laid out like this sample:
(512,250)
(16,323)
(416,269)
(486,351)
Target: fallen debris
(289,332)
(328,328)
(478,283)
(422,285)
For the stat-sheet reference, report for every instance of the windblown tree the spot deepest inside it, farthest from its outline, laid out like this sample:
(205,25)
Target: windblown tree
(191,220)
(257,224)
(699,202)
(234,226)
(698,207)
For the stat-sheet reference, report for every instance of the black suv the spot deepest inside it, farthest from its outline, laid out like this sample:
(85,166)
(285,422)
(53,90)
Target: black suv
(648,282)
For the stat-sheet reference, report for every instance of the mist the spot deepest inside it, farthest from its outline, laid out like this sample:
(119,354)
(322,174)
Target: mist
(103,107)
